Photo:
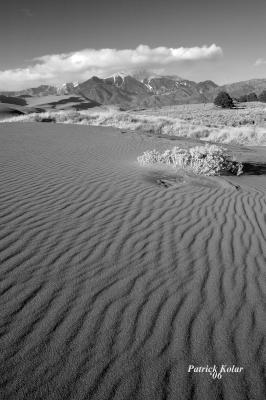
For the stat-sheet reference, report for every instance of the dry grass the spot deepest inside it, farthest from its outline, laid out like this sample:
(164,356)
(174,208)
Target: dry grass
(245,126)
(212,116)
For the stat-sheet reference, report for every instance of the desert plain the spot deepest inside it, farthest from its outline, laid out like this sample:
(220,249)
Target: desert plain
(115,278)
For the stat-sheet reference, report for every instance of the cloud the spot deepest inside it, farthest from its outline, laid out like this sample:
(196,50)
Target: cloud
(80,65)
(259,62)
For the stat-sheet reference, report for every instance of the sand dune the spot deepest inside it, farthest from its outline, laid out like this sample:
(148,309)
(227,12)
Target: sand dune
(115,278)
(10,110)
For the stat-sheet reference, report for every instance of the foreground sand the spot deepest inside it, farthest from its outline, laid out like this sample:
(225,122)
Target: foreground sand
(115,278)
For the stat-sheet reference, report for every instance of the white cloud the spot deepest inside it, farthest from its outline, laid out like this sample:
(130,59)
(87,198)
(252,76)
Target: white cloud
(259,62)
(80,65)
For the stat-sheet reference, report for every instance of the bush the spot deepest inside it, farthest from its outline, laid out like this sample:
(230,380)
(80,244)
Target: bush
(248,97)
(43,119)
(252,97)
(202,160)
(224,100)
(262,96)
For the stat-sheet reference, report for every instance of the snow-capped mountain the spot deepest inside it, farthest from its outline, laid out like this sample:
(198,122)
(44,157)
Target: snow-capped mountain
(126,90)
(143,89)
(67,88)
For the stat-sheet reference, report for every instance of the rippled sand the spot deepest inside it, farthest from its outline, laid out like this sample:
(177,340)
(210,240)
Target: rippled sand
(114,278)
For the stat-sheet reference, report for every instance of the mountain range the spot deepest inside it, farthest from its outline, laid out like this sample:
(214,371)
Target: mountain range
(148,91)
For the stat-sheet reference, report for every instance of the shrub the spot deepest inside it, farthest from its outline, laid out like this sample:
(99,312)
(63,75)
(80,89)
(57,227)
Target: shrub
(262,96)
(43,119)
(224,100)
(248,97)
(202,160)
(252,97)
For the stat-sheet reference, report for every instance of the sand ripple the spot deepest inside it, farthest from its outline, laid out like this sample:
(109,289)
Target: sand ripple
(112,284)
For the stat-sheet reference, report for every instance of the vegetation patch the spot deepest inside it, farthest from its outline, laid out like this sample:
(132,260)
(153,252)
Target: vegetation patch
(204,122)
(224,100)
(201,160)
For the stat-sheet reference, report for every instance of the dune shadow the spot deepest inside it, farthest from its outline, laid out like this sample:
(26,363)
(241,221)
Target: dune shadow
(238,108)
(163,178)
(65,101)
(86,105)
(252,168)
(181,178)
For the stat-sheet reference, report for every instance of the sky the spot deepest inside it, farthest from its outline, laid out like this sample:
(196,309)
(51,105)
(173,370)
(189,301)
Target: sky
(51,42)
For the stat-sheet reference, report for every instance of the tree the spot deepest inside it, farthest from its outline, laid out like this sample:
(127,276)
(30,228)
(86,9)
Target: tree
(252,97)
(248,97)
(224,100)
(262,96)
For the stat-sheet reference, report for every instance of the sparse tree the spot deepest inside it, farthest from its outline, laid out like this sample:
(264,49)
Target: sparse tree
(248,97)
(224,100)
(262,96)
(243,99)
(252,97)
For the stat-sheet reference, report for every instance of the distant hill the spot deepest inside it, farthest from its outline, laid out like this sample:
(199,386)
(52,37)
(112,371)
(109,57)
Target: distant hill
(238,89)
(142,90)
(43,90)
(12,100)
(207,87)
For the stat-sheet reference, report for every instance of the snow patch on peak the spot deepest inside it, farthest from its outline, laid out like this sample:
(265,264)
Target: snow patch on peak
(149,86)
(66,88)
(117,75)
